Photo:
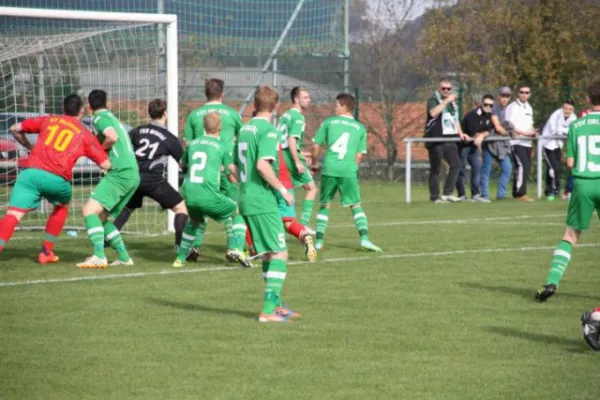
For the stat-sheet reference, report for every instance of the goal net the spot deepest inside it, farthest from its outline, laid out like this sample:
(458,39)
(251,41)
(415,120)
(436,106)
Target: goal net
(46,55)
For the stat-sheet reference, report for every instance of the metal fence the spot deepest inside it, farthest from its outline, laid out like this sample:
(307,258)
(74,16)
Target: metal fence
(540,141)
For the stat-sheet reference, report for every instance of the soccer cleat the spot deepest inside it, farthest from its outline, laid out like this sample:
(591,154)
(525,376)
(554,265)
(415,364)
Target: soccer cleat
(319,244)
(118,263)
(451,198)
(480,199)
(310,230)
(366,245)
(274,317)
(193,254)
(286,312)
(239,257)
(545,292)
(309,248)
(525,198)
(440,201)
(93,262)
(48,258)
(178,263)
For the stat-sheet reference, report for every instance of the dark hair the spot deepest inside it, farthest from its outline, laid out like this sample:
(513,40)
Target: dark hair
(346,100)
(295,93)
(594,93)
(72,105)
(488,97)
(213,88)
(97,99)
(157,108)
(570,102)
(523,85)
(445,79)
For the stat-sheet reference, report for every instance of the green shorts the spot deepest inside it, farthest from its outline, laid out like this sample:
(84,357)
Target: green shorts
(585,198)
(115,190)
(286,211)
(348,187)
(267,232)
(216,206)
(229,189)
(33,184)
(298,179)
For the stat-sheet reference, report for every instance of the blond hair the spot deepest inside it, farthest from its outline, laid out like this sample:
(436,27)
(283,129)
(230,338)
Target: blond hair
(212,123)
(265,99)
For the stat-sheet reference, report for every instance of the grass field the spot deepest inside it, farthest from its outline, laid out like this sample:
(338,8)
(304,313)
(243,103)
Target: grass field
(446,312)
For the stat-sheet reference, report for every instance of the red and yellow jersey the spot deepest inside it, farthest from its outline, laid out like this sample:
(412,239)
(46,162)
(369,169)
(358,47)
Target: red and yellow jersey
(62,141)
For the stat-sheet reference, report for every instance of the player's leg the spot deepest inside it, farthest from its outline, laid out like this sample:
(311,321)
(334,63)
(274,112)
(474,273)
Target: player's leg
(113,235)
(58,192)
(230,190)
(296,229)
(225,210)
(25,196)
(169,199)
(196,223)
(269,239)
(328,189)
(579,214)
(133,204)
(350,197)
(93,216)
(305,180)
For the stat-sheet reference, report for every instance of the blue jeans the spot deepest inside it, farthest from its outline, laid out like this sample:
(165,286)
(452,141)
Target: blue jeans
(486,171)
(469,154)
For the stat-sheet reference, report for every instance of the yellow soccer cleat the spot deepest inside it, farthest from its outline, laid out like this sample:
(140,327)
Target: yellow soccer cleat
(309,248)
(178,263)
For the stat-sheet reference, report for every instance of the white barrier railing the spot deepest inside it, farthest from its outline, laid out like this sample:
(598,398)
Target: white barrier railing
(538,158)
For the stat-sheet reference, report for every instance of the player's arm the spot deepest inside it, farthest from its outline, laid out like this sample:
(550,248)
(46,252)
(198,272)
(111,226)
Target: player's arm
(571,148)
(319,139)
(175,148)
(294,134)
(95,152)
(110,138)
(229,168)
(362,147)
(30,125)
(19,136)
(267,153)
(188,131)
(184,161)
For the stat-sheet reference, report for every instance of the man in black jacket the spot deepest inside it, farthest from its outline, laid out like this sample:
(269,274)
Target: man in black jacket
(477,125)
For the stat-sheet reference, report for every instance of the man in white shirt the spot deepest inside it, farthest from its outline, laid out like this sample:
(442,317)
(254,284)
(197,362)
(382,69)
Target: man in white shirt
(557,125)
(520,115)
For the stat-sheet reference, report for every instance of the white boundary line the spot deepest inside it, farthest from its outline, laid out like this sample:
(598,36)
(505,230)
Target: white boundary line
(212,268)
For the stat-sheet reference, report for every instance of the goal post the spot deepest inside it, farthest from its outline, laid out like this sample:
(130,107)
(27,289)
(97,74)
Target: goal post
(45,54)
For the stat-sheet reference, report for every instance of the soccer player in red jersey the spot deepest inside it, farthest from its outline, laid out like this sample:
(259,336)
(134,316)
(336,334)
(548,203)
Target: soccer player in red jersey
(62,140)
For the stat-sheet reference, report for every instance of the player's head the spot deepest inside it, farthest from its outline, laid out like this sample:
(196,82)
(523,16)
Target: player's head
(214,89)
(266,99)
(300,97)
(445,86)
(212,123)
(487,103)
(98,99)
(73,105)
(344,104)
(157,109)
(594,93)
(568,108)
(524,93)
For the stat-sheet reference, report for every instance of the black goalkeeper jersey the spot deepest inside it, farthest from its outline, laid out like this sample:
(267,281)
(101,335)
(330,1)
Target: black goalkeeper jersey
(153,144)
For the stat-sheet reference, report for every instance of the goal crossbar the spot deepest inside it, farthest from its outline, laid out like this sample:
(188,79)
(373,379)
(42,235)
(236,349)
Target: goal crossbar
(171,39)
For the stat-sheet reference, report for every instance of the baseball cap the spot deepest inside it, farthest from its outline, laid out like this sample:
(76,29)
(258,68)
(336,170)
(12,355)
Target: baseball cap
(504,90)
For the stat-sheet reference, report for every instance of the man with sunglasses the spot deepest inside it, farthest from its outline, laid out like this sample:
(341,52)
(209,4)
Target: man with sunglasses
(520,114)
(442,122)
(477,125)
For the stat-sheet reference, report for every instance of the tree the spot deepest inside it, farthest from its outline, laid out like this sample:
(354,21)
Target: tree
(384,69)
(549,44)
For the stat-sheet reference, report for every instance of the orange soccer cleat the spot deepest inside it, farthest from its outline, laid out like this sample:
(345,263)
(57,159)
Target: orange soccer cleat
(48,258)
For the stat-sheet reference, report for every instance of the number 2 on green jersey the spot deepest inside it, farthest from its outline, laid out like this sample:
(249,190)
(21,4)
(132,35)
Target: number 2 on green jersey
(199,167)
(587,145)
(340,146)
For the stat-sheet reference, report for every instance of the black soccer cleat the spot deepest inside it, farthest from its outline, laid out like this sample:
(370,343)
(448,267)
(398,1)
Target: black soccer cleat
(591,331)
(193,254)
(545,292)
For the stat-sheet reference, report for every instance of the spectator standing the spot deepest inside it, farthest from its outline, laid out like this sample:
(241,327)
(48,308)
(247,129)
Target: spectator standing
(557,125)
(442,122)
(520,115)
(497,150)
(477,125)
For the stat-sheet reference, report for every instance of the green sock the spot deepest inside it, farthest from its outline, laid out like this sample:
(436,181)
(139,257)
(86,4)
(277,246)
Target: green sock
(265,269)
(307,207)
(360,221)
(114,239)
(322,220)
(239,232)
(188,237)
(560,261)
(95,231)
(275,277)
(229,231)
(199,235)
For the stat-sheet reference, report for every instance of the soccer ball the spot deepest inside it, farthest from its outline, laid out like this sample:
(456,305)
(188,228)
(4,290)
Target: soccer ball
(591,328)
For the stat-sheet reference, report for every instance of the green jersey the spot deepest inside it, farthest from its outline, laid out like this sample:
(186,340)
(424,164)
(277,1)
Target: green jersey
(291,124)
(258,140)
(583,144)
(345,138)
(121,154)
(205,157)
(231,122)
